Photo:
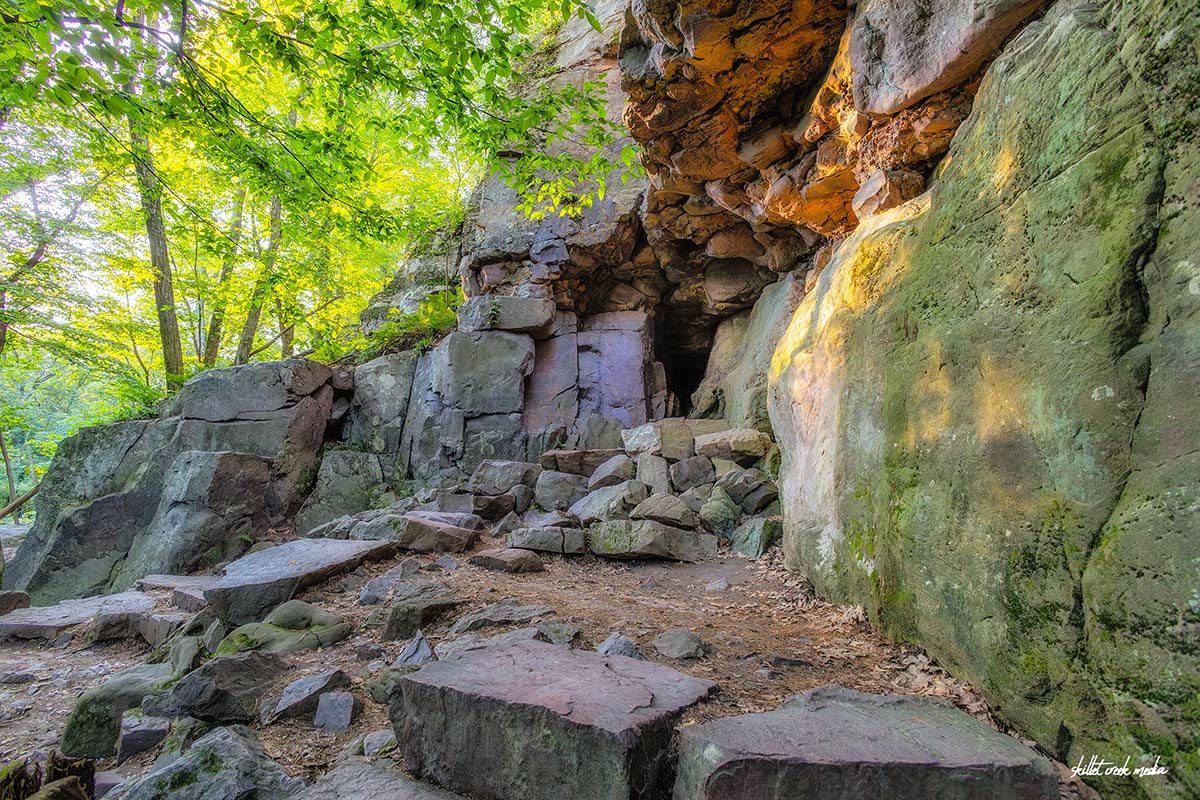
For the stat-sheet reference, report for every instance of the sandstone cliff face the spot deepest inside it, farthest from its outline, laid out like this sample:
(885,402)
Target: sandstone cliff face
(981,403)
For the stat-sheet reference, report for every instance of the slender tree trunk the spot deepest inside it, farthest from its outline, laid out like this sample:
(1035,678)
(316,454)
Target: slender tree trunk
(287,331)
(212,343)
(259,295)
(16,504)
(8,473)
(160,261)
(3,320)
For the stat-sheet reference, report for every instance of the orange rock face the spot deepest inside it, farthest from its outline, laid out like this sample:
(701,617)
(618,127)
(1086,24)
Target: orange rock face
(747,112)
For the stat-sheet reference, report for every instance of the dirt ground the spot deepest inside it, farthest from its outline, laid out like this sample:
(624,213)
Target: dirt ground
(769,638)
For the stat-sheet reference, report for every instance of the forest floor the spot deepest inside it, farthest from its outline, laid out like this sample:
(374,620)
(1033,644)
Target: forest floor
(769,638)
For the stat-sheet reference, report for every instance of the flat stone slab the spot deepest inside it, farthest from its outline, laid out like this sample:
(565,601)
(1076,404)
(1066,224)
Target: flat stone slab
(833,743)
(541,722)
(358,780)
(187,591)
(578,462)
(151,583)
(549,539)
(255,584)
(47,622)
(507,612)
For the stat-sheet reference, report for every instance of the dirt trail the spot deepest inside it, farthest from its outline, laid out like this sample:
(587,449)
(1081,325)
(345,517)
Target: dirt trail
(769,639)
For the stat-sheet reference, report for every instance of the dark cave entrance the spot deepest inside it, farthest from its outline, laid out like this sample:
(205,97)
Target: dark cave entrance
(685,370)
(683,343)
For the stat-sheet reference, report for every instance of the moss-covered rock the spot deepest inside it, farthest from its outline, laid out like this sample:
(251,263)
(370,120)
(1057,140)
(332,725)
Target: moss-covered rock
(226,764)
(95,724)
(984,417)
(290,627)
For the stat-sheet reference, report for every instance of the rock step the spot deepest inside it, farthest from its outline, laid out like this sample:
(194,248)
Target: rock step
(833,743)
(48,622)
(535,721)
(255,584)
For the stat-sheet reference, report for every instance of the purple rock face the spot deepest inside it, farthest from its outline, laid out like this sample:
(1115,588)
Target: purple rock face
(902,52)
(552,393)
(833,743)
(540,722)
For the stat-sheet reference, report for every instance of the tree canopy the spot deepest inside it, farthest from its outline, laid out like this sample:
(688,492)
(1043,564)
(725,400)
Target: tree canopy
(191,184)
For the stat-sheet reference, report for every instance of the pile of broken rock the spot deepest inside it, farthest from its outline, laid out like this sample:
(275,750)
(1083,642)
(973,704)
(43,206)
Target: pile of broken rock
(678,489)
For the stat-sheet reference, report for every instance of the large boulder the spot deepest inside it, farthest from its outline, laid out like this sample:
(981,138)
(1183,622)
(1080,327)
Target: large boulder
(610,502)
(740,445)
(667,509)
(558,491)
(755,536)
(94,727)
(542,722)
(498,477)
(549,539)
(980,407)
(420,531)
(646,538)
(169,480)
(618,469)
(225,764)
(348,482)
(291,626)
(832,743)
(225,689)
(380,404)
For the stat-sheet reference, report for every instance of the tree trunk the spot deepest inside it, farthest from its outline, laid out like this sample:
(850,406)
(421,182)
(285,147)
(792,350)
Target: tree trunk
(258,296)
(8,473)
(212,343)
(3,320)
(160,261)
(287,331)
(20,501)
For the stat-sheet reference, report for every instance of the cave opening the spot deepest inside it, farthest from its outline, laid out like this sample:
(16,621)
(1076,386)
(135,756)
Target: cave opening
(684,370)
